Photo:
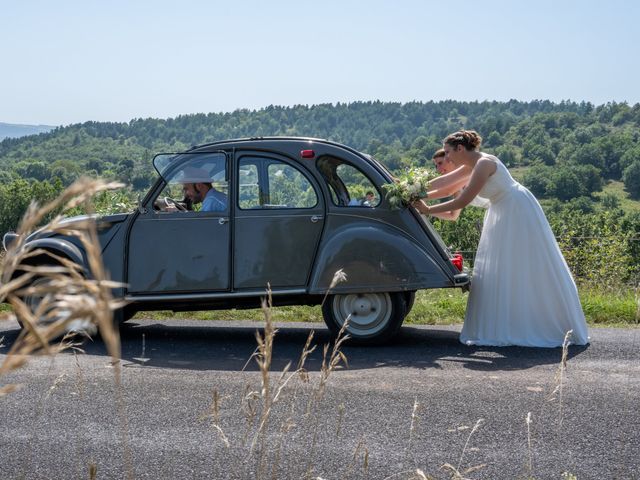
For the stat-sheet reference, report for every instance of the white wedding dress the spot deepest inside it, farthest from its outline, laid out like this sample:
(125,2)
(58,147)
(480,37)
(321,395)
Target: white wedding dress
(522,292)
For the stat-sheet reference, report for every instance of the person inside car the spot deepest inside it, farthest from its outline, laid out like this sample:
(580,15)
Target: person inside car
(369,199)
(197,188)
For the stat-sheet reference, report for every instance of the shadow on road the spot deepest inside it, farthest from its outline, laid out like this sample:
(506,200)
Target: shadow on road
(211,346)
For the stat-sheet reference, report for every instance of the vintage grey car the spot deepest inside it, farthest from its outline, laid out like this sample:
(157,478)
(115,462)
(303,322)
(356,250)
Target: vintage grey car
(286,212)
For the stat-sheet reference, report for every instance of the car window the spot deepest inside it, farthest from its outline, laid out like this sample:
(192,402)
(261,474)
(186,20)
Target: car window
(268,183)
(348,185)
(196,182)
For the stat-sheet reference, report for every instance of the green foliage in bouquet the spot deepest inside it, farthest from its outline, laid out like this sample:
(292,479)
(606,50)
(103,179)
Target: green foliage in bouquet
(409,187)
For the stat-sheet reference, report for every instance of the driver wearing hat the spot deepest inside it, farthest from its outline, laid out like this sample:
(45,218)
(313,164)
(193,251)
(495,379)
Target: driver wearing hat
(197,188)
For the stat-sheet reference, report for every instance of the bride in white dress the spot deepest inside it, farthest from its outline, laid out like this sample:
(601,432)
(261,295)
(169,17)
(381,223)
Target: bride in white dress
(522,292)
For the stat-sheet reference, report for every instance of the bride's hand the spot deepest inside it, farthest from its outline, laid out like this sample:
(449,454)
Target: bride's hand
(421,207)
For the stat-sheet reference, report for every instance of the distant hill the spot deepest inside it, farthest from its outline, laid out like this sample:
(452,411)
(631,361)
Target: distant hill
(570,149)
(9,130)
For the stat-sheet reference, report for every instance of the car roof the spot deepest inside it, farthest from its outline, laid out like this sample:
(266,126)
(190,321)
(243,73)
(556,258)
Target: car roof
(248,141)
(277,141)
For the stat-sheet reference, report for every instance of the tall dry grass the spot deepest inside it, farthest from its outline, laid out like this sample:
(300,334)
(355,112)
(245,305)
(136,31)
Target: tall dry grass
(70,299)
(68,294)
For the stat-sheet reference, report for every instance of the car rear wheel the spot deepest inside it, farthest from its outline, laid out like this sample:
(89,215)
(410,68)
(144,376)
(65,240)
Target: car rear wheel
(373,317)
(410,298)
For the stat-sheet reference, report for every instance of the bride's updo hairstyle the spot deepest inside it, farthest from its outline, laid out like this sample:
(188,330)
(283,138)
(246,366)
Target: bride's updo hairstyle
(469,139)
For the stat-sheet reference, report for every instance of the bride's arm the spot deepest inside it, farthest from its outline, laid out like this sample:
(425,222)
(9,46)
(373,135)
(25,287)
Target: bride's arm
(448,184)
(447,191)
(479,176)
(450,215)
(448,180)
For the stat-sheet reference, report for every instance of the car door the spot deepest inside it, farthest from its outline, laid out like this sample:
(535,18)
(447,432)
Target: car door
(279,216)
(182,251)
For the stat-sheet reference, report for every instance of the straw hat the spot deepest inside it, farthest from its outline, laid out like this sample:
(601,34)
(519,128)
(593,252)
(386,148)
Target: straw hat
(193,175)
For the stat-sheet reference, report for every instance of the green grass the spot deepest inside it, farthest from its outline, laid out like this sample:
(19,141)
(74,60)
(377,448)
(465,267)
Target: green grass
(617,307)
(610,307)
(602,307)
(617,189)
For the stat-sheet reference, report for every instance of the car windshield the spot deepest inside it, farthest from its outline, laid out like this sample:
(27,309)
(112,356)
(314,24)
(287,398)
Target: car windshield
(191,167)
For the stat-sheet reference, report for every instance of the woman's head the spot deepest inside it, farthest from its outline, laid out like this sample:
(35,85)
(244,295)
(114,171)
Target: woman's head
(469,139)
(443,165)
(461,141)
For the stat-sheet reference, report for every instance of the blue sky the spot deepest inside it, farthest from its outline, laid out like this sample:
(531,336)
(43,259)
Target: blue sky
(72,61)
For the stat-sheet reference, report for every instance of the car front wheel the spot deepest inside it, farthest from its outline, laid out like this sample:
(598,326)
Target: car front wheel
(373,317)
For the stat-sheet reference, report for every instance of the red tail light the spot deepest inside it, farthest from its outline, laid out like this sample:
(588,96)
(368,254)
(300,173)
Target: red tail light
(307,153)
(457,261)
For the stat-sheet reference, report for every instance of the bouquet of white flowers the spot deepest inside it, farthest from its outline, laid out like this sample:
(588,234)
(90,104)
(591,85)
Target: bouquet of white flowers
(409,187)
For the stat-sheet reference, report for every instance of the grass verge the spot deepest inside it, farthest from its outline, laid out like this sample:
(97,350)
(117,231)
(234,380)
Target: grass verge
(602,307)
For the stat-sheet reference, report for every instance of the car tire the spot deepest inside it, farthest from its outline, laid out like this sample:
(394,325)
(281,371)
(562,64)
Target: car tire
(374,317)
(409,298)
(32,301)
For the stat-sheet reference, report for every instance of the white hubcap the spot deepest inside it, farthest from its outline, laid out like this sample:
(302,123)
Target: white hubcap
(368,313)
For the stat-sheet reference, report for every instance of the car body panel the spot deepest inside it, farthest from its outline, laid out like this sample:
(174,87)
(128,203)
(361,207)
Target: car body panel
(179,252)
(376,257)
(284,254)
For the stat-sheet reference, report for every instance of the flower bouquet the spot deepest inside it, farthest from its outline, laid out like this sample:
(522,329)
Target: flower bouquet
(409,187)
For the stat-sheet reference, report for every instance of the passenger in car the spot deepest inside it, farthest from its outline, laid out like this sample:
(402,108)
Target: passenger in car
(369,199)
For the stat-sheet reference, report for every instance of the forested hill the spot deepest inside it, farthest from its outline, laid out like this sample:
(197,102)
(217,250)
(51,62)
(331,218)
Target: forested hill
(10,130)
(571,146)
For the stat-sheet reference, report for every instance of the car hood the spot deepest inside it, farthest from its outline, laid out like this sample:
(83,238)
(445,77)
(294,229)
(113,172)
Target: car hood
(107,226)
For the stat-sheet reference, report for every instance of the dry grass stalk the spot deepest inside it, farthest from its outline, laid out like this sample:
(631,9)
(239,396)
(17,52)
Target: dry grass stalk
(8,389)
(338,277)
(67,295)
(263,357)
(93,471)
(80,382)
(416,474)
(270,393)
(258,405)
(335,359)
(329,365)
(341,410)
(361,449)
(414,420)
(456,474)
(249,408)
(214,415)
(529,421)
(560,376)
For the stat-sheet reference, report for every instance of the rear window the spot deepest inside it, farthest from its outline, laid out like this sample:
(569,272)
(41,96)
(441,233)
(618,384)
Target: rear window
(348,185)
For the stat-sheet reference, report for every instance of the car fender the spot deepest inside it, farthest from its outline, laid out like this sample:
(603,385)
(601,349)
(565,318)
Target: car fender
(375,259)
(59,246)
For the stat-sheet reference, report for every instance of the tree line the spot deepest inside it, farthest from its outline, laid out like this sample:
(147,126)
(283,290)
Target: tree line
(569,150)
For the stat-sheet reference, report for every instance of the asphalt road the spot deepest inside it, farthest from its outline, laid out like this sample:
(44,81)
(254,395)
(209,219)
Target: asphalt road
(163,422)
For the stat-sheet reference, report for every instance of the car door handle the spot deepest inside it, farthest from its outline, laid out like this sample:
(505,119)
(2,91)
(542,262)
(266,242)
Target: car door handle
(223,220)
(316,218)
